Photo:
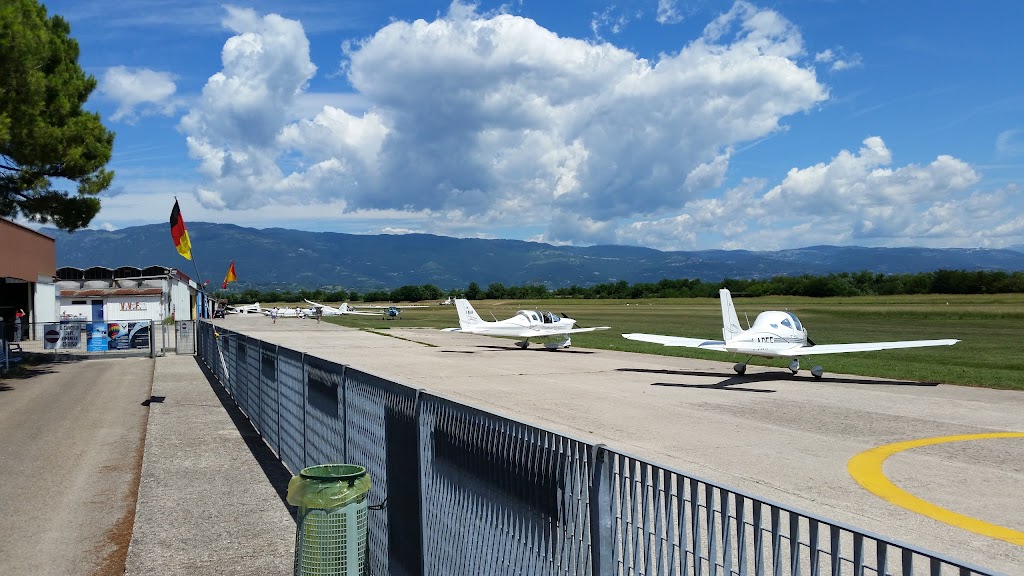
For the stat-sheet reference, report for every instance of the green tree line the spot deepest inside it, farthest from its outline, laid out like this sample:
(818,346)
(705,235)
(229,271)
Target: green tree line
(839,284)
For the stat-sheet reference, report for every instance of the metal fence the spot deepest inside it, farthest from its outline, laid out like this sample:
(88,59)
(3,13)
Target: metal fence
(465,491)
(119,337)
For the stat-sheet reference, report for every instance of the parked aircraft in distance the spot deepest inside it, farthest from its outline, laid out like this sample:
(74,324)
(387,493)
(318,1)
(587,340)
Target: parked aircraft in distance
(287,312)
(341,310)
(525,324)
(391,312)
(775,334)
(245,309)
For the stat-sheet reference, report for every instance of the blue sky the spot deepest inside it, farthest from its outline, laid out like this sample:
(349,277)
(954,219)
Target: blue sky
(670,124)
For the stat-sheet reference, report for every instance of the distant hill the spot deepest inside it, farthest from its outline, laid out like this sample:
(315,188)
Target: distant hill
(280,258)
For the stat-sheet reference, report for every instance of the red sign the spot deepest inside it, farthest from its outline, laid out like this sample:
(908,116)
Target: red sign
(52,336)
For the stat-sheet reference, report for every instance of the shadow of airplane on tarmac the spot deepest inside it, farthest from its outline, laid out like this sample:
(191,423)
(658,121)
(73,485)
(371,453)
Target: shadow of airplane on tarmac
(730,382)
(492,347)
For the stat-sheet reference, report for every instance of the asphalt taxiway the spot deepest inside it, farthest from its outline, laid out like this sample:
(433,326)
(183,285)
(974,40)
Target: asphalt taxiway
(785,438)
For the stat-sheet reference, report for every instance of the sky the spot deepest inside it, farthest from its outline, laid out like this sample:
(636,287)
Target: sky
(670,124)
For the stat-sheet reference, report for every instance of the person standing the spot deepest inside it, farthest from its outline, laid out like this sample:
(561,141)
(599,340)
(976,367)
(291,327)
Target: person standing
(273,315)
(19,319)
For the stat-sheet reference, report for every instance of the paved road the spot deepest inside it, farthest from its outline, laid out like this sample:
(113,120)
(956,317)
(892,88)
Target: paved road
(71,442)
(781,437)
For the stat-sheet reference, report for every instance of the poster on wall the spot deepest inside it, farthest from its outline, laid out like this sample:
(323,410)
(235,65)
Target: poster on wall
(127,335)
(96,338)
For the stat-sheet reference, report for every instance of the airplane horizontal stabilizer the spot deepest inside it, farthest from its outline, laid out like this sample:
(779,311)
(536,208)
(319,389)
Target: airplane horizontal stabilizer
(863,347)
(679,341)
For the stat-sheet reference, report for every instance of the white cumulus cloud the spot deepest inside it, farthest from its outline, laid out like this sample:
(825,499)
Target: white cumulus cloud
(856,198)
(838,59)
(139,92)
(493,118)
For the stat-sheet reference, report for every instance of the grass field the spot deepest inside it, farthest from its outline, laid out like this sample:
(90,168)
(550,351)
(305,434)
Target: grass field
(991,328)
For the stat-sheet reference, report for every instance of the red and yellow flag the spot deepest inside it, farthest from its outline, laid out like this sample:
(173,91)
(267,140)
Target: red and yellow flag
(230,277)
(179,234)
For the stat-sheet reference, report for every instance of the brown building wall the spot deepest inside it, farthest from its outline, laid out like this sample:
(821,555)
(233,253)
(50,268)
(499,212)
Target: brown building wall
(25,253)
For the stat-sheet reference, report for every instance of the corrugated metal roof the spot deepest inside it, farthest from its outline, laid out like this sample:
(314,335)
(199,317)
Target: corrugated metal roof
(111,292)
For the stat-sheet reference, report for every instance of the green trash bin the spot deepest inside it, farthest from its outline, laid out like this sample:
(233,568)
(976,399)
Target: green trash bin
(330,535)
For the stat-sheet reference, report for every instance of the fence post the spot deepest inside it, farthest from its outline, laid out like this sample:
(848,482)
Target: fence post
(152,339)
(417,418)
(600,511)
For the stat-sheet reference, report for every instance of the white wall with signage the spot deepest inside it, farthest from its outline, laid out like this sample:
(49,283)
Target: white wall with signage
(114,308)
(132,308)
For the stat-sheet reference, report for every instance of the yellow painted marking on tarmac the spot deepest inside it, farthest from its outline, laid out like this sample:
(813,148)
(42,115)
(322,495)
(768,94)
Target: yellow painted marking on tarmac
(866,469)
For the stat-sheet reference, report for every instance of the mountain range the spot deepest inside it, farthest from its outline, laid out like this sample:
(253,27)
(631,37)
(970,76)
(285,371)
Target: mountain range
(276,258)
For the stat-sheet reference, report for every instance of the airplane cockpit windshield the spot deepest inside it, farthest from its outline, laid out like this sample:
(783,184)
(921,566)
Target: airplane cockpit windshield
(540,316)
(796,321)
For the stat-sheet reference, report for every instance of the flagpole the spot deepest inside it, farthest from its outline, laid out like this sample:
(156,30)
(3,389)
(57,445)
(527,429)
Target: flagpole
(199,277)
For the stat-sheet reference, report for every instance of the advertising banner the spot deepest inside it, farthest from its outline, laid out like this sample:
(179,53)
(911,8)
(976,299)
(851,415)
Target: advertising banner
(96,337)
(127,335)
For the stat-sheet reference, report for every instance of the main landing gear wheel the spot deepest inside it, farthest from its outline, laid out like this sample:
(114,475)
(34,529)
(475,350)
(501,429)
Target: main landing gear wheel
(740,368)
(794,366)
(523,344)
(817,372)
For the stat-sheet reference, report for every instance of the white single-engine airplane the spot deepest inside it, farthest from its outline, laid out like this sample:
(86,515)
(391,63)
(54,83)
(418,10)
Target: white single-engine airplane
(525,324)
(244,309)
(341,310)
(774,334)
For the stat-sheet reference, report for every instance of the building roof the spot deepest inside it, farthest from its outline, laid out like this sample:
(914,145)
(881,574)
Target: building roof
(90,292)
(106,273)
(28,255)
(27,229)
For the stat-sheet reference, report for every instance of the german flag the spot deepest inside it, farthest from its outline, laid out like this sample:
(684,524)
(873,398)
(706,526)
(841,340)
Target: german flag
(179,234)
(230,277)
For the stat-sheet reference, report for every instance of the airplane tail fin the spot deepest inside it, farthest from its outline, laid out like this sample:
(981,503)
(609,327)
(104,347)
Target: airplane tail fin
(468,317)
(730,323)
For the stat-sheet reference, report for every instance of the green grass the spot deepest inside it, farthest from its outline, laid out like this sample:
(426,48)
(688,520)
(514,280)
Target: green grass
(990,327)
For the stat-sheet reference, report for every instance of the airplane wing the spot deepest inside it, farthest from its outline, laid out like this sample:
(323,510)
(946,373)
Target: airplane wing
(679,341)
(521,332)
(340,312)
(863,347)
(591,329)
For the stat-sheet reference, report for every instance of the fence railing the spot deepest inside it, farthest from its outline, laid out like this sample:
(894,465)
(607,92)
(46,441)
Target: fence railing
(466,491)
(131,336)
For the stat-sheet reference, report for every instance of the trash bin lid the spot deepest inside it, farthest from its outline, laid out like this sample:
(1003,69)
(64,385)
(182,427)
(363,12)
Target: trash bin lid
(333,472)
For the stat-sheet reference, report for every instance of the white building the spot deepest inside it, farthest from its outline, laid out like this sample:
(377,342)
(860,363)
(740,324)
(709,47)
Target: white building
(128,293)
